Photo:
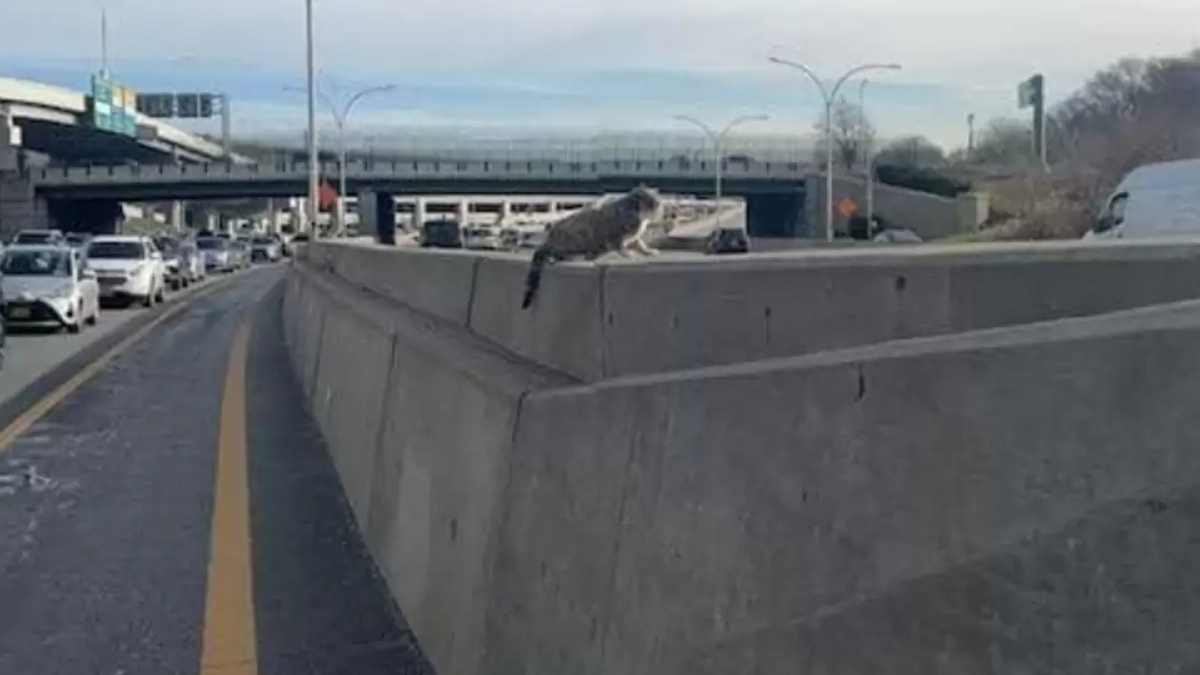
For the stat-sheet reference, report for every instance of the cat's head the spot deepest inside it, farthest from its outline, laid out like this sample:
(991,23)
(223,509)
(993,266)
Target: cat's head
(647,201)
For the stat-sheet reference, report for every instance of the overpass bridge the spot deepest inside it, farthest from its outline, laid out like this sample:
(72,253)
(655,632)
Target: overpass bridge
(774,191)
(54,120)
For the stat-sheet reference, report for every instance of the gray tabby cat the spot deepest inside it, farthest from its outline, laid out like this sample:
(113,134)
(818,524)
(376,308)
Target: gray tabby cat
(615,225)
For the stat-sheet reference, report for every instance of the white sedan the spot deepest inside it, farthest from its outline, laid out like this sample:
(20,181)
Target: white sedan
(129,268)
(49,285)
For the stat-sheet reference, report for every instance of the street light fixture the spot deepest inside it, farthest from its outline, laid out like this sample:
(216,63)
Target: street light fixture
(717,139)
(830,95)
(339,120)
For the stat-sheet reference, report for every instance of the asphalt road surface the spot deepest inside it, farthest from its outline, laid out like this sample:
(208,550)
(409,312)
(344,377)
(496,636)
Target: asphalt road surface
(174,511)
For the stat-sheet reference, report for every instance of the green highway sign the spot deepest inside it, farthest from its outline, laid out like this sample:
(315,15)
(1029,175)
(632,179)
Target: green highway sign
(113,106)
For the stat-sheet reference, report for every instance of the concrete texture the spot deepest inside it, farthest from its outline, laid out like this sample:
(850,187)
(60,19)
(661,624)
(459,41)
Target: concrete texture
(598,486)
(977,503)
(930,216)
(619,317)
(419,416)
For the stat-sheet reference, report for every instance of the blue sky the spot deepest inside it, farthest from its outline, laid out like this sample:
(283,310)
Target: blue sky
(545,65)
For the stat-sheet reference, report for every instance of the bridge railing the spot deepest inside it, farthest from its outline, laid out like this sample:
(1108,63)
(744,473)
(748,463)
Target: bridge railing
(535,169)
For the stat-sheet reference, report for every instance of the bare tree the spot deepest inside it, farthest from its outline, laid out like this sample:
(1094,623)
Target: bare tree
(852,134)
(1004,142)
(912,151)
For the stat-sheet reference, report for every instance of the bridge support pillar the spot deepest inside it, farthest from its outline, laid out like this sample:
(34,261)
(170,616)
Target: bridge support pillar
(377,214)
(176,216)
(10,145)
(506,209)
(777,214)
(20,207)
(420,214)
(464,213)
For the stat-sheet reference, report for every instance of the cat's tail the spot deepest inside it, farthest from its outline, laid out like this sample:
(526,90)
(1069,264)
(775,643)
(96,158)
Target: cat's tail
(541,257)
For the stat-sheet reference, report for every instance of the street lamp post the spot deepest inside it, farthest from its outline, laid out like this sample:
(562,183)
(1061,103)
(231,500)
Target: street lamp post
(830,95)
(339,120)
(103,41)
(313,167)
(717,139)
(868,154)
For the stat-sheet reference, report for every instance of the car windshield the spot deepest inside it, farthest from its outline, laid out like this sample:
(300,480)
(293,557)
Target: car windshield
(210,244)
(33,238)
(264,241)
(36,263)
(167,245)
(115,250)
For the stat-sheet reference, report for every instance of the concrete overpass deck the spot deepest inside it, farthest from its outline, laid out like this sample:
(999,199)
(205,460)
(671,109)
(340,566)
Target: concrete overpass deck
(53,121)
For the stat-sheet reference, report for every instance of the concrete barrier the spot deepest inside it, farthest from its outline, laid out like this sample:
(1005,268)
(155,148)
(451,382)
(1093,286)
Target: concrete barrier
(419,418)
(1019,500)
(945,500)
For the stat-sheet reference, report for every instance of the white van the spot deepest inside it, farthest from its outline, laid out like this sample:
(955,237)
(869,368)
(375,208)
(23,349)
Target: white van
(1155,200)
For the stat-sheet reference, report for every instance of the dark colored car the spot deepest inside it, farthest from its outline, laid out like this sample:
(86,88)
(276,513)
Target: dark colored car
(441,234)
(727,240)
(78,240)
(175,263)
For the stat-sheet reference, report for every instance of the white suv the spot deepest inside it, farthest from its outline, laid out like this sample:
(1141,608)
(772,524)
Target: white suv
(129,268)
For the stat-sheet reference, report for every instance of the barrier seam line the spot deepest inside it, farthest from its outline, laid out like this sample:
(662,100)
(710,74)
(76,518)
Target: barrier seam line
(602,301)
(470,320)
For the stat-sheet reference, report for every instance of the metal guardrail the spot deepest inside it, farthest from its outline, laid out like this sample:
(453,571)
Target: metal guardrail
(425,170)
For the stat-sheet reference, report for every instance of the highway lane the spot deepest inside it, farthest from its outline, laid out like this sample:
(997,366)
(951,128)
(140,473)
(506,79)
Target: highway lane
(178,508)
(30,353)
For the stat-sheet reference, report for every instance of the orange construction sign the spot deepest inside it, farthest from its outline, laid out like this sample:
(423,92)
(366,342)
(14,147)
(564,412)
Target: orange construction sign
(847,207)
(326,196)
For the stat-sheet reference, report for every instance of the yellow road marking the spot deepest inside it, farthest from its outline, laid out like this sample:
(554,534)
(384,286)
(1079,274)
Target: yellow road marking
(230,644)
(35,412)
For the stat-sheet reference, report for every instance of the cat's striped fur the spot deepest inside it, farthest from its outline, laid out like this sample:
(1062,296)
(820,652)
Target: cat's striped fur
(614,225)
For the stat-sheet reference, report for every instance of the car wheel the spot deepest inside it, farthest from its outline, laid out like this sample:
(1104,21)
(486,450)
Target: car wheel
(76,325)
(148,301)
(161,296)
(95,316)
